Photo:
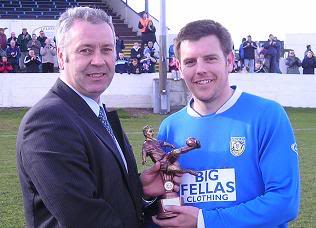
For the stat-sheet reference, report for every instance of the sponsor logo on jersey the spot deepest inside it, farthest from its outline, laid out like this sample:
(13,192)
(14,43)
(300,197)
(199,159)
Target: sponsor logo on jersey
(237,145)
(209,185)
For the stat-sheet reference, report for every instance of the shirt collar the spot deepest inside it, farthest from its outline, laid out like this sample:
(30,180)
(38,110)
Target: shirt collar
(228,104)
(95,107)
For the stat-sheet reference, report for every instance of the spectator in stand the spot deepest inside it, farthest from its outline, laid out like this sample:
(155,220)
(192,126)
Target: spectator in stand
(293,63)
(13,54)
(150,59)
(41,38)
(150,33)
(263,62)
(48,53)
(12,37)
(2,53)
(173,68)
(5,66)
(241,53)
(3,38)
(145,63)
(270,53)
(309,63)
(249,54)
(142,25)
(308,48)
(236,67)
(278,55)
(119,45)
(121,64)
(171,50)
(136,52)
(35,45)
(259,68)
(134,67)
(23,40)
(32,62)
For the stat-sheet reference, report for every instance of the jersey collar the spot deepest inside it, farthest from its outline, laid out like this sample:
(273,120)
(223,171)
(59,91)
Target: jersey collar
(228,104)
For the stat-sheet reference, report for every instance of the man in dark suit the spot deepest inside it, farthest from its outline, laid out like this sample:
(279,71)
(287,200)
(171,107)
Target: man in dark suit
(75,164)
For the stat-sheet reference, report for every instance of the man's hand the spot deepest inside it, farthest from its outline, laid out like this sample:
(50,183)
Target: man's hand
(152,181)
(187,217)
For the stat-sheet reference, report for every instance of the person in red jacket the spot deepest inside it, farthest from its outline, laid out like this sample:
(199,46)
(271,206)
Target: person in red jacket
(5,66)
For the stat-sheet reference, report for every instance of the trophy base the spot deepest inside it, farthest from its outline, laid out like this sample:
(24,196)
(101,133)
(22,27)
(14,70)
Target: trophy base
(163,214)
(166,215)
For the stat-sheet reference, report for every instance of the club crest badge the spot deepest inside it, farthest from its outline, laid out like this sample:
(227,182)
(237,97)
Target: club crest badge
(237,145)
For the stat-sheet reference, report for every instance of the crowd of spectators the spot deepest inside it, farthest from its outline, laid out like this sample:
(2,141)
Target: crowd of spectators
(26,53)
(143,56)
(264,57)
(141,60)
(32,53)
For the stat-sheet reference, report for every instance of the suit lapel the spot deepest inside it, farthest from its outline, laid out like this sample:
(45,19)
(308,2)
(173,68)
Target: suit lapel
(118,132)
(85,112)
(134,185)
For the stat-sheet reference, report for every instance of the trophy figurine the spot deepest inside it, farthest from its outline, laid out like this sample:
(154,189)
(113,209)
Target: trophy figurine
(168,168)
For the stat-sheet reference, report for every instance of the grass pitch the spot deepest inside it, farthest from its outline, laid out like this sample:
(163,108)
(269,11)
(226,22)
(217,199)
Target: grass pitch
(11,206)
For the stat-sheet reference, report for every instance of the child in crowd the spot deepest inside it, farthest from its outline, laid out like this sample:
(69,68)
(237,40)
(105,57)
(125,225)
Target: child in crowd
(121,64)
(136,52)
(134,67)
(5,66)
(259,67)
(145,63)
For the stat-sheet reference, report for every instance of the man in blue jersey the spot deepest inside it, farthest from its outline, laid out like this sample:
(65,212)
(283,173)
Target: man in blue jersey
(248,173)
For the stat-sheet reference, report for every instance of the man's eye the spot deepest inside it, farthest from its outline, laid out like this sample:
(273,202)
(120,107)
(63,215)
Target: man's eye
(189,63)
(107,50)
(210,59)
(85,51)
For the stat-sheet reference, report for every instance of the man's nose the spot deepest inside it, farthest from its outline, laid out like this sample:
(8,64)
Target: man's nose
(98,58)
(200,66)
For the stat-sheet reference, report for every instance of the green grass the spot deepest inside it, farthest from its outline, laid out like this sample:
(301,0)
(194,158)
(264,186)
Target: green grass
(11,206)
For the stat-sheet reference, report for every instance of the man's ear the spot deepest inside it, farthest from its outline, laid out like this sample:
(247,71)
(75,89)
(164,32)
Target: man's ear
(179,66)
(230,61)
(60,58)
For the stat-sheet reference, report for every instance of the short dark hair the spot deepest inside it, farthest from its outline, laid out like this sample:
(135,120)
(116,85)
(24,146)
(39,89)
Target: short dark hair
(195,30)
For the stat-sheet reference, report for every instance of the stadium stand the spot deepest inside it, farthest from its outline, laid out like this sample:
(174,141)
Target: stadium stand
(51,9)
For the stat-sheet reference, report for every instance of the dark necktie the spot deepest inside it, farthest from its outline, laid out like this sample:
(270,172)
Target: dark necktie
(107,126)
(105,123)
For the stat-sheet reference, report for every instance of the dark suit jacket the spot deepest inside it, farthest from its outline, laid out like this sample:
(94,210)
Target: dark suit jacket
(70,170)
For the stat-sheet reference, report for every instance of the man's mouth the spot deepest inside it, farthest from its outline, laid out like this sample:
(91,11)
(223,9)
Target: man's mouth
(204,82)
(96,75)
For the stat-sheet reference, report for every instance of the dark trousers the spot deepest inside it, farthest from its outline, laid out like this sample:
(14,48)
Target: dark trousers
(272,63)
(16,67)
(48,67)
